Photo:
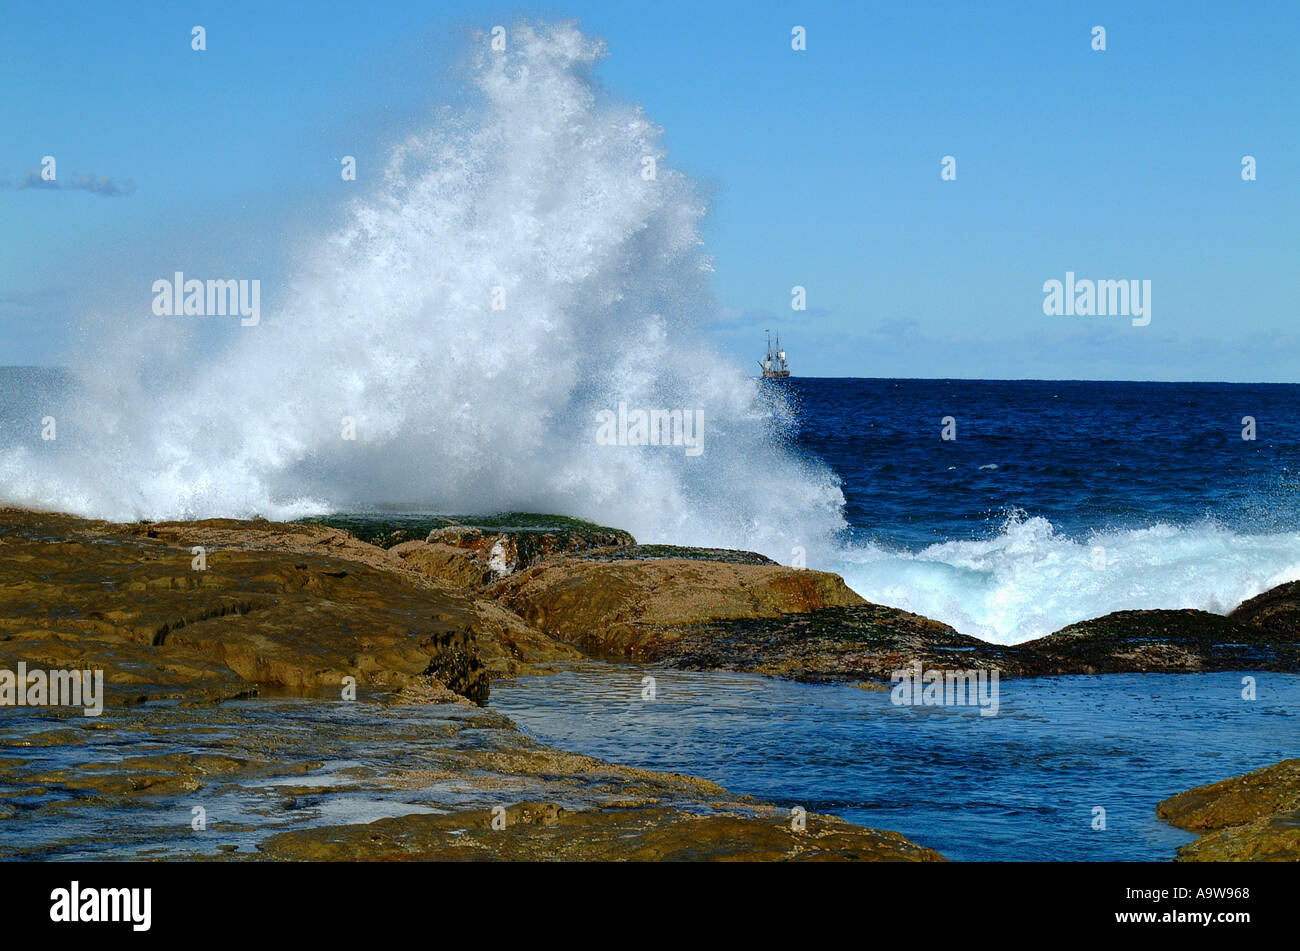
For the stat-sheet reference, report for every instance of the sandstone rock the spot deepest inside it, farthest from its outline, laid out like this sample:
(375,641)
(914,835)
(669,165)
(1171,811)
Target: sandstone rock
(276,767)
(471,556)
(1270,839)
(545,831)
(228,534)
(626,607)
(859,642)
(1236,800)
(428,690)
(300,607)
(1254,817)
(510,647)
(262,613)
(460,569)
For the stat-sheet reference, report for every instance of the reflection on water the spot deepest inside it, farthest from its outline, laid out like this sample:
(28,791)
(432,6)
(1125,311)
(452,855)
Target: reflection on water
(1020,785)
(254,766)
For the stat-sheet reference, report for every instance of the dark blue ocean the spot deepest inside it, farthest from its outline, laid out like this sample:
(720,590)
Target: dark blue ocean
(1086,456)
(1057,501)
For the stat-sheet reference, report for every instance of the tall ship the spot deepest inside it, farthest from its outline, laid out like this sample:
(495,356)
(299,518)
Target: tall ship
(774,365)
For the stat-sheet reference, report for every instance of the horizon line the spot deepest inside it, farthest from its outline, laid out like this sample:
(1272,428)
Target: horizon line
(904,379)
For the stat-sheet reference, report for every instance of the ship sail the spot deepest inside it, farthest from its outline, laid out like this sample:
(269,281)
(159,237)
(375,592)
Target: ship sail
(774,364)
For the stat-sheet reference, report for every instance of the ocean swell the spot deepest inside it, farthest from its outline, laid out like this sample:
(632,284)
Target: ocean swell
(1028,580)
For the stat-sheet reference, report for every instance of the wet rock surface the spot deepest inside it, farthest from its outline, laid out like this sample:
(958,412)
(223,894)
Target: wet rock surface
(1250,818)
(228,734)
(545,831)
(1182,641)
(855,642)
(262,608)
(1276,610)
(227,646)
(307,778)
(870,642)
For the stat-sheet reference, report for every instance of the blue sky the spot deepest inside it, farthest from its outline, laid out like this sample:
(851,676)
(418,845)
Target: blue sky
(823,165)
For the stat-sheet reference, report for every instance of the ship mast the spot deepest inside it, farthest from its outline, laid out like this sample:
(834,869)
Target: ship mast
(774,364)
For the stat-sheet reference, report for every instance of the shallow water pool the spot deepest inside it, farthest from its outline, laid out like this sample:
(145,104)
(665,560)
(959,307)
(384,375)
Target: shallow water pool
(1020,785)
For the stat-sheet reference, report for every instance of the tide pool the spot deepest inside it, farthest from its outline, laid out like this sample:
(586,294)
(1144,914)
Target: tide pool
(1021,785)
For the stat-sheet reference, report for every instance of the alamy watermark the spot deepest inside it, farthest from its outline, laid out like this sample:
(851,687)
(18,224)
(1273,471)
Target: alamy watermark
(78,904)
(656,427)
(194,298)
(53,688)
(1104,298)
(917,687)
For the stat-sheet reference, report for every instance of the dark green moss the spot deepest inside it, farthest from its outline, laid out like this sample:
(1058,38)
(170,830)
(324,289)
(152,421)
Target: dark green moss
(382,530)
(653,552)
(389,529)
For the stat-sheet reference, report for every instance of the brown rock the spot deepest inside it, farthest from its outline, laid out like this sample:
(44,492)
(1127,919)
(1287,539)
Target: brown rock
(1163,641)
(298,607)
(471,557)
(1249,818)
(859,642)
(546,832)
(869,641)
(1276,610)
(461,569)
(1236,800)
(624,607)
(301,607)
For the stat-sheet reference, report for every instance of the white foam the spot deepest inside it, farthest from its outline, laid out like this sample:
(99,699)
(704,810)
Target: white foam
(459,407)
(1028,580)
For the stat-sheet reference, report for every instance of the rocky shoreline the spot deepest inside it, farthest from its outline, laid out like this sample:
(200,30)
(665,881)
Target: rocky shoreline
(422,615)
(1250,818)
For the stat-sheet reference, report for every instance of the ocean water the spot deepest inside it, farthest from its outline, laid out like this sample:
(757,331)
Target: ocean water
(1022,785)
(1057,500)
(1084,456)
